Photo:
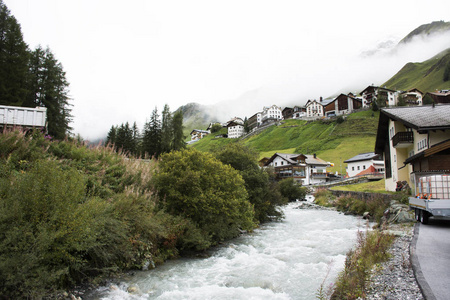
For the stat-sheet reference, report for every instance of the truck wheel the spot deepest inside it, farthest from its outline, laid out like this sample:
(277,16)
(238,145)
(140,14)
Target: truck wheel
(424,217)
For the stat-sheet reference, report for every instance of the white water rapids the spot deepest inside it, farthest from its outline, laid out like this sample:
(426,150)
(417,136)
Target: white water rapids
(280,260)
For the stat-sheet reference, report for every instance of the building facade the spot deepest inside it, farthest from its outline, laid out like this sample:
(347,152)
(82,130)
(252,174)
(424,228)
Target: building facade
(304,169)
(365,164)
(413,139)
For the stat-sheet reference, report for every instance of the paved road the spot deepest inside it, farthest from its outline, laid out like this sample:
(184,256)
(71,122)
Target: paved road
(431,258)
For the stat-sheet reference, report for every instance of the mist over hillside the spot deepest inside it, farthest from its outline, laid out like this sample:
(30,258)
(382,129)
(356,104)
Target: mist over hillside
(334,74)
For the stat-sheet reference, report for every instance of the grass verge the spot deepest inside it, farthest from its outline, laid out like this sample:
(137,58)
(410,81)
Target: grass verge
(371,249)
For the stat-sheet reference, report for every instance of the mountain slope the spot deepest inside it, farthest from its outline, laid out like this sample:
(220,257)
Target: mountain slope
(426,30)
(331,141)
(427,76)
(195,116)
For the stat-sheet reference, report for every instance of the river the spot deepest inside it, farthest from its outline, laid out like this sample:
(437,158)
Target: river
(280,260)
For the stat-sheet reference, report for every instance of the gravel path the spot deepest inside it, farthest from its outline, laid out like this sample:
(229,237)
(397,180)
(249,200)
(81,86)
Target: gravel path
(394,279)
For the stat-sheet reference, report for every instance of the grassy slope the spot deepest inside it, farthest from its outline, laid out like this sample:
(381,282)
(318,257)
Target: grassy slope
(427,76)
(370,187)
(330,141)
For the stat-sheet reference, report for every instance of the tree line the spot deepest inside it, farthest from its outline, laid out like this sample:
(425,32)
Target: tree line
(32,78)
(161,134)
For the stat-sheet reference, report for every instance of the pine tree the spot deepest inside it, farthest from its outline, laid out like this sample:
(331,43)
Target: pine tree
(111,137)
(48,87)
(166,130)
(178,137)
(136,140)
(151,142)
(14,56)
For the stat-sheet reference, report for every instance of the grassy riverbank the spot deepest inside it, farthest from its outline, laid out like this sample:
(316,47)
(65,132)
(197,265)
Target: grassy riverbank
(371,248)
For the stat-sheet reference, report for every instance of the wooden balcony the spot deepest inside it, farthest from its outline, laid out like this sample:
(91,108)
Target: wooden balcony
(403,139)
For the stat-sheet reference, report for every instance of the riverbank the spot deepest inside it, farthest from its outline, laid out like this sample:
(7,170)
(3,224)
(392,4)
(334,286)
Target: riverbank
(394,279)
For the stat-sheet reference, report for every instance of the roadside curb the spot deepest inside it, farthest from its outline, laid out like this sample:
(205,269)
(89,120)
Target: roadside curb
(423,284)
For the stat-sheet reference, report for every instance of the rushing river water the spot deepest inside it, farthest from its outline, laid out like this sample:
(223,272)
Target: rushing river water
(281,260)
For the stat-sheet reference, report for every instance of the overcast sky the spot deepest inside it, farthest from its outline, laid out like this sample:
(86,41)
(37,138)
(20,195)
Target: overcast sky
(123,58)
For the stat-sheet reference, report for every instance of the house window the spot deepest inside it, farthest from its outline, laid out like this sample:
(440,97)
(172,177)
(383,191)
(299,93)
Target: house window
(364,167)
(282,163)
(275,164)
(395,157)
(353,168)
(358,168)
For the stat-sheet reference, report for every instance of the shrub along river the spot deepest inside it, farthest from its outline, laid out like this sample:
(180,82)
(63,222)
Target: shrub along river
(280,260)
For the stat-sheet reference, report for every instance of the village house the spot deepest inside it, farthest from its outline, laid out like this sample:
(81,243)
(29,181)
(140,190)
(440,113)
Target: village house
(381,95)
(287,113)
(412,97)
(296,112)
(314,108)
(305,169)
(254,121)
(442,96)
(271,114)
(198,134)
(299,112)
(413,140)
(235,128)
(369,165)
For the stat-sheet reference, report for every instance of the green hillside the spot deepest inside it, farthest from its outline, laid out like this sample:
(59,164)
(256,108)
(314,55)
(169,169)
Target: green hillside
(330,140)
(427,29)
(427,76)
(195,116)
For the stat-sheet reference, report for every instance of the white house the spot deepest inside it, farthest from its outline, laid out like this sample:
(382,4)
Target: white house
(198,134)
(271,113)
(365,164)
(235,128)
(314,109)
(412,97)
(374,93)
(298,112)
(305,169)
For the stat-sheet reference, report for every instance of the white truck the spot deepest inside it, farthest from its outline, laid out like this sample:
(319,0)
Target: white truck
(432,197)
(12,116)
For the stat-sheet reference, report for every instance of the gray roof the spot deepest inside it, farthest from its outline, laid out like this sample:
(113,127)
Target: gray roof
(422,117)
(311,160)
(362,156)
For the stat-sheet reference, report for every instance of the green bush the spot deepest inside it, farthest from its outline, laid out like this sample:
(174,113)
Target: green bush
(263,194)
(324,197)
(291,190)
(212,195)
(375,206)
(47,227)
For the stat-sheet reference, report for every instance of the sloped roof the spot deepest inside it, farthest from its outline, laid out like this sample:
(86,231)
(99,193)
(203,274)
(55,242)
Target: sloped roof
(369,170)
(199,130)
(376,88)
(290,158)
(361,157)
(421,117)
(326,102)
(311,160)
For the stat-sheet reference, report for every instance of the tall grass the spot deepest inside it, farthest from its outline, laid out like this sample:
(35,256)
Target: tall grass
(371,248)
